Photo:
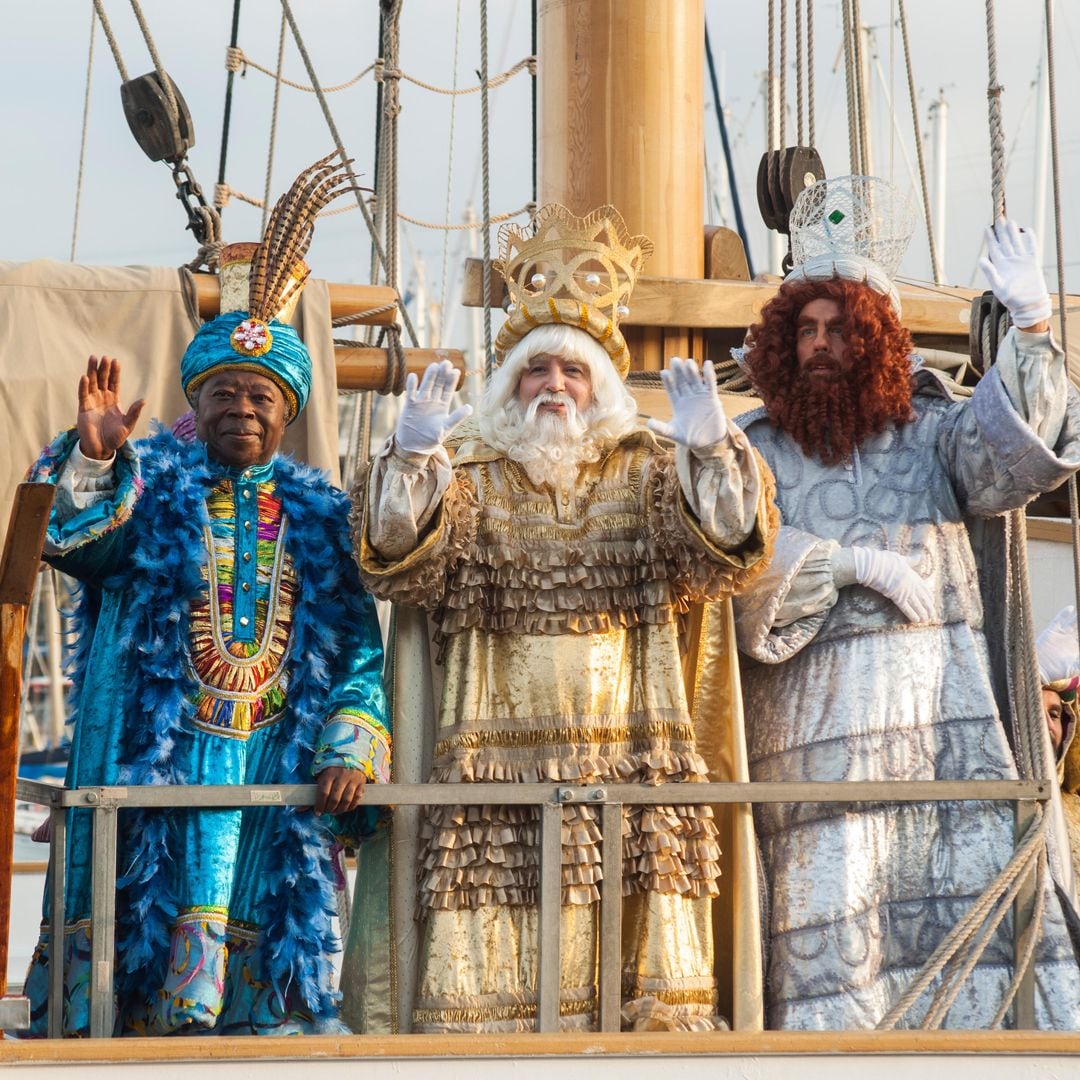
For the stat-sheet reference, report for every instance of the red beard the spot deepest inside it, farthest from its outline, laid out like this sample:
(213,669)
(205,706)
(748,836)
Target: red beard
(828,416)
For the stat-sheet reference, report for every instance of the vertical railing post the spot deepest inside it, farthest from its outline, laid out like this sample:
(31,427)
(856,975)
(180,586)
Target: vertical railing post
(1023,912)
(57,924)
(610,990)
(102,922)
(549,922)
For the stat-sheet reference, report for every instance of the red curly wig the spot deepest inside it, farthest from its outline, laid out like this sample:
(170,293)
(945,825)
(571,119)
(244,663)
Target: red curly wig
(831,421)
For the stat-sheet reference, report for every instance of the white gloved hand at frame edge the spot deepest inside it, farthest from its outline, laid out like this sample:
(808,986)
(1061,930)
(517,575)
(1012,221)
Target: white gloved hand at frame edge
(1058,649)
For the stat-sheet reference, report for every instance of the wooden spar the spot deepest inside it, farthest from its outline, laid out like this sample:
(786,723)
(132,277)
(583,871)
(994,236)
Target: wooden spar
(344,300)
(621,121)
(364,368)
(706,304)
(18,569)
(358,367)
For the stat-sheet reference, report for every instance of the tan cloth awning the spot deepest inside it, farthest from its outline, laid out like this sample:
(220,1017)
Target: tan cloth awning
(53,315)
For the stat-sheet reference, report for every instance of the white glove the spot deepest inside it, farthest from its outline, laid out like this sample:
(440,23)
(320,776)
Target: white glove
(426,419)
(1013,270)
(888,573)
(697,417)
(1058,649)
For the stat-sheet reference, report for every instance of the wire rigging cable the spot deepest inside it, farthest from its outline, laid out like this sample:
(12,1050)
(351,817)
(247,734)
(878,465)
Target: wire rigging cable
(449,174)
(336,135)
(928,217)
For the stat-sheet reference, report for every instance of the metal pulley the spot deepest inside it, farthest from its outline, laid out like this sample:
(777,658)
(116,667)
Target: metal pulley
(782,175)
(988,325)
(162,135)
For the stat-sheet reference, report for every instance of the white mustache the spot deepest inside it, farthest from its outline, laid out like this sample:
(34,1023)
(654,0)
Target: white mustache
(551,397)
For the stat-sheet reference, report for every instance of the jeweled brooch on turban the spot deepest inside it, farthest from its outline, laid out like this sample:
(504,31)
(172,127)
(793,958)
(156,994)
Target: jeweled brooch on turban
(252,337)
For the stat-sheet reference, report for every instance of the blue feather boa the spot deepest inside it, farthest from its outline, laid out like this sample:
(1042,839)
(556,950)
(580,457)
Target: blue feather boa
(163,576)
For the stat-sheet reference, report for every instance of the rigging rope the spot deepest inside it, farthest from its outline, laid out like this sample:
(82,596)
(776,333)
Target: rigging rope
(495,219)
(997,131)
(485,153)
(810,70)
(163,78)
(770,95)
(273,126)
(357,191)
(99,7)
(952,945)
(798,73)
(1063,322)
(82,141)
(935,263)
(236,60)
(783,71)
(862,110)
(854,156)
(391,9)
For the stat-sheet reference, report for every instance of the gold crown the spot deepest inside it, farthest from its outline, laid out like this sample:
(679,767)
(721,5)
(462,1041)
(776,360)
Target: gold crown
(579,271)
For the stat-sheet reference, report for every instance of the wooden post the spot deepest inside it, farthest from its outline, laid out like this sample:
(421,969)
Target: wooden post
(18,569)
(621,121)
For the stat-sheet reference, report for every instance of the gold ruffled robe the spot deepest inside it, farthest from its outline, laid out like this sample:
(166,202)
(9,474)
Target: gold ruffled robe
(558,619)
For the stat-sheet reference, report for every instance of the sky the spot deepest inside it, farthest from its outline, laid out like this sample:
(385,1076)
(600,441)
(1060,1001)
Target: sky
(128,213)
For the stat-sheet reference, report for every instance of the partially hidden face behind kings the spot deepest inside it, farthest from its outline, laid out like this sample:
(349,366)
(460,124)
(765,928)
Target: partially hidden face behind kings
(240,415)
(548,373)
(1053,713)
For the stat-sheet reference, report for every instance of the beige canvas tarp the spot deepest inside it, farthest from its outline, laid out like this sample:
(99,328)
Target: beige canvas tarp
(53,315)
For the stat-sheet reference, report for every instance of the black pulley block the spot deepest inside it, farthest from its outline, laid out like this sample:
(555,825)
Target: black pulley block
(162,135)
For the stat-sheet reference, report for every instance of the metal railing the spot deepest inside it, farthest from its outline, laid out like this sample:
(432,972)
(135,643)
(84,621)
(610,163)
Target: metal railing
(105,802)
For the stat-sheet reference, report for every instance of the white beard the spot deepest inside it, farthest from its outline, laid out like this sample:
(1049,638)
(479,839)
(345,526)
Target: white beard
(550,447)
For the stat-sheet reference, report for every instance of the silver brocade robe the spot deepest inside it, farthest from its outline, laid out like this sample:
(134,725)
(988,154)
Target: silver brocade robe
(839,686)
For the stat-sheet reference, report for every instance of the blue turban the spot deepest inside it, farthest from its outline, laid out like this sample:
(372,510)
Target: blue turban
(271,349)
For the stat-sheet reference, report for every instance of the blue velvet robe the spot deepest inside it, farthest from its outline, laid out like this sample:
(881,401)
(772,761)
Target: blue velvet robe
(223,917)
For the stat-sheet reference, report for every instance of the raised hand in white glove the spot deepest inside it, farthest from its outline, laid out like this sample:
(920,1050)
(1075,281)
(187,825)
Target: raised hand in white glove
(697,417)
(1012,268)
(888,573)
(426,419)
(1058,649)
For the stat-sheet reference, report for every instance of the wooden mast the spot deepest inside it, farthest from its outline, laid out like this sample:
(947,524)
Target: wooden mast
(621,120)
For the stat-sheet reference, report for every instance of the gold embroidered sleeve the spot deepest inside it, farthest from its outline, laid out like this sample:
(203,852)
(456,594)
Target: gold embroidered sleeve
(699,569)
(418,578)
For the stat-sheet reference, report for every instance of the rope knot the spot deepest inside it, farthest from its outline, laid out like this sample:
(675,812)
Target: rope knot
(222,194)
(530,62)
(995,91)
(380,68)
(235,59)
(395,359)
